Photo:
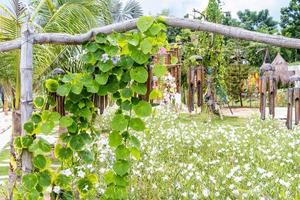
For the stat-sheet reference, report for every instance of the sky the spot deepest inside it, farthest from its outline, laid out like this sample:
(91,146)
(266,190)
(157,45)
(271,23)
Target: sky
(179,8)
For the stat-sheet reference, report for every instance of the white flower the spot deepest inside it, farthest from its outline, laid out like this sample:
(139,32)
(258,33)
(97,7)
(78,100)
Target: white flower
(66,172)
(56,189)
(205,192)
(81,174)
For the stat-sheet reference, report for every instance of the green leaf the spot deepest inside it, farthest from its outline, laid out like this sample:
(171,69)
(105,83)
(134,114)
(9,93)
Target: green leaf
(102,78)
(105,67)
(92,47)
(139,74)
(36,118)
(44,178)
(122,153)
(89,58)
(126,93)
(18,143)
(84,185)
(143,109)
(39,102)
(174,60)
(122,181)
(115,139)
(144,23)
(77,143)
(139,57)
(47,127)
(146,45)
(159,70)
(121,167)
(101,38)
(119,122)
(77,88)
(64,90)
(26,141)
(39,162)
(135,153)
(134,39)
(134,141)
(54,116)
(86,156)
(51,85)
(86,113)
(109,177)
(29,181)
(63,181)
(139,88)
(137,124)
(155,29)
(66,122)
(64,153)
(28,127)
(40,146)
(155,94)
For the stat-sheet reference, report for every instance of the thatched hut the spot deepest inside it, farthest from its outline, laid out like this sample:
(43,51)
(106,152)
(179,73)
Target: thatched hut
(281,69)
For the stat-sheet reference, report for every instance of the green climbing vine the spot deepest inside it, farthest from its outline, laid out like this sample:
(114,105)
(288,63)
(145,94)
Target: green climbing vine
(115,65)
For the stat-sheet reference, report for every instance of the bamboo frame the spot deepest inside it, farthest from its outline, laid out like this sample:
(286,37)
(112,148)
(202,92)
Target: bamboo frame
(25,43)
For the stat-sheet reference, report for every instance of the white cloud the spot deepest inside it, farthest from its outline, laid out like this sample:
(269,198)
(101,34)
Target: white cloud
(179,8)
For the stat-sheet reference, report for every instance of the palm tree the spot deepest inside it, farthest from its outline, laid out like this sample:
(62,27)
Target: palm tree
(120,12)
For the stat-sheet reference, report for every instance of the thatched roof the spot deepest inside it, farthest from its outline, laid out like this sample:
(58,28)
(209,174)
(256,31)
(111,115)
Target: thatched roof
(281,69)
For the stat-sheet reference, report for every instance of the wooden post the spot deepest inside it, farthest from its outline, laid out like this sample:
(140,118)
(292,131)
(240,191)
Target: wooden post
(191,89)
(271,96)
(297,105)
(199,87)
(289,122)
(26,67)
(263,88)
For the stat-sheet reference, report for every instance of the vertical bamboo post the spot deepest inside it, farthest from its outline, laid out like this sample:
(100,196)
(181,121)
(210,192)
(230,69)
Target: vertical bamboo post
(289,122)
(271,96)
(191,89)
(26,67)
(263,88)
(297,105)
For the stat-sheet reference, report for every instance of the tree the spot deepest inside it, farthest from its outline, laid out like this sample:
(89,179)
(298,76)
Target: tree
(258,21)
(290,23)
(212,49)
(120,12)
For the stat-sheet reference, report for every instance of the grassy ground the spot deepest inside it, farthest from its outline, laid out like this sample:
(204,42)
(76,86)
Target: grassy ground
(201,157)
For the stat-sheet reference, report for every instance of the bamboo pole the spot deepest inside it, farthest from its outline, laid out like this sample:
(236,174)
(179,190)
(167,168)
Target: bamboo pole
(26,88)
(263,98)
(197,25)
(289,122)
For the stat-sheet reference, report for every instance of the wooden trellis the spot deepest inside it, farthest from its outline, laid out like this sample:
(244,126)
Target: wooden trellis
(174,69)
(29,38)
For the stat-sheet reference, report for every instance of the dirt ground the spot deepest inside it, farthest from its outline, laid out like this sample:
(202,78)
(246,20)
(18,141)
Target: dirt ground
(280,113)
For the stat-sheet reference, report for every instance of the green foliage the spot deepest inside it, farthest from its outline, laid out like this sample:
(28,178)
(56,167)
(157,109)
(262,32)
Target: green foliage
(114,65)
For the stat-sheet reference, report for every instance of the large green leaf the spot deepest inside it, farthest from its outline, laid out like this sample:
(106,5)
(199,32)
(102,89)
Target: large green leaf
(119,122)
(139,74)
(66,122)
(143,109)
(137,124)
(30,181)
(146,46)
(144,23)
(44,178)
(64,90)
(39,162)
(115,139)
(121,167)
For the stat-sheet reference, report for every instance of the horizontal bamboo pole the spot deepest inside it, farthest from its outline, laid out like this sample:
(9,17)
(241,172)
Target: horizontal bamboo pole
(234,32)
